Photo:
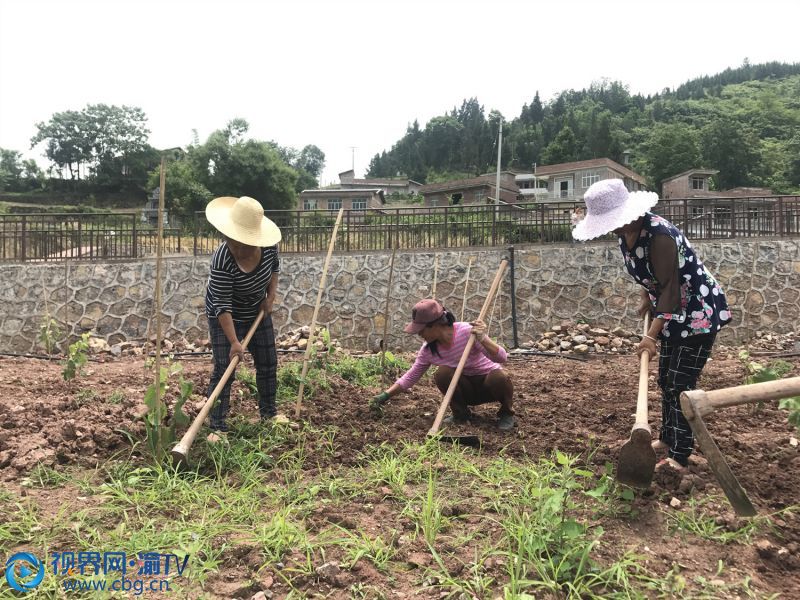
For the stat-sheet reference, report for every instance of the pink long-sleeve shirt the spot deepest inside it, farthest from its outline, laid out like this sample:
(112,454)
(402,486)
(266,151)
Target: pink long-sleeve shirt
(478,360)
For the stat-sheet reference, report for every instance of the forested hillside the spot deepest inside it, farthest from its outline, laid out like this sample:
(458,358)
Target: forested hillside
(744,122)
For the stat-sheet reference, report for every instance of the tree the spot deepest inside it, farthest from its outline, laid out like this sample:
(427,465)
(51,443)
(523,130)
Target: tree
(18,175)
(184,193)
(562,149)
(111,141)
(536,110)
(68,138)
(118,137)
(671,149)
(227,164)
(311,160)
(734,149)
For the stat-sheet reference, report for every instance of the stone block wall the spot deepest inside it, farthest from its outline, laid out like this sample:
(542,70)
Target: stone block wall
(553,283)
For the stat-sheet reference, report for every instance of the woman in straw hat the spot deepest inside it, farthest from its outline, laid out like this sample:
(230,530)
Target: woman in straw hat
(687,303)
(483,379)
(242,281)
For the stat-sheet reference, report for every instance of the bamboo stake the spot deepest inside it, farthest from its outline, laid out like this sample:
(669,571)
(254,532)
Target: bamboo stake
(384,343)
(316,312)
(157,303)
(491,315)
(435,274)
(466,285)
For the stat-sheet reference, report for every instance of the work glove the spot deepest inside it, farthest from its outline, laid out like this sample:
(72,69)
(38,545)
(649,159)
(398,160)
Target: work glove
(377,402)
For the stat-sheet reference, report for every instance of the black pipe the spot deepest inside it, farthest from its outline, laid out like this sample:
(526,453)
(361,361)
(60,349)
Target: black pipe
(513,297)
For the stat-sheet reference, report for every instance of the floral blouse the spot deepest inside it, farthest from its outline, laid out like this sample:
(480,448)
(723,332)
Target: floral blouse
(682,290)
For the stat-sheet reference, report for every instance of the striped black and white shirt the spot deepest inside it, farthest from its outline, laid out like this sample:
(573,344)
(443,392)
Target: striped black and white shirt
(234,291)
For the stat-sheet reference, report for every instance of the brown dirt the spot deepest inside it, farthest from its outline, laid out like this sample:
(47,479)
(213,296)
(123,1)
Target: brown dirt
(580,408)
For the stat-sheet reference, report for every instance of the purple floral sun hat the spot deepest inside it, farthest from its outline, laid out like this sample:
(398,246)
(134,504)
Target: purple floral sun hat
(609,205)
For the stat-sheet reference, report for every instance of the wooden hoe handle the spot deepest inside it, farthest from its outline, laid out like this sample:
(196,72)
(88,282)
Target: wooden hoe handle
(700,403)
(642,421)
(181,449)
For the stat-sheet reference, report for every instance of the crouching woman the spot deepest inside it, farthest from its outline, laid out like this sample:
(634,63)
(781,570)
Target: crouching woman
(483,379)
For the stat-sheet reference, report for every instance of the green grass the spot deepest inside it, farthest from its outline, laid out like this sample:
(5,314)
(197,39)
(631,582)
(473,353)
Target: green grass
(697,520)
(490,526)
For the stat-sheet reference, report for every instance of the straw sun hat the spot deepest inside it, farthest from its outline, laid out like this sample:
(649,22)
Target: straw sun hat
(609,205)
(242,219)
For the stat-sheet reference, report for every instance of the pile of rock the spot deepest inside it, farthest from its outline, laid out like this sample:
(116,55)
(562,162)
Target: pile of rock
(99,345)
(582,338)
(297,339)
(775,342)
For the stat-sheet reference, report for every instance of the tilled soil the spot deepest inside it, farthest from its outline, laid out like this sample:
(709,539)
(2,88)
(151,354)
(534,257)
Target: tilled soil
(583,408)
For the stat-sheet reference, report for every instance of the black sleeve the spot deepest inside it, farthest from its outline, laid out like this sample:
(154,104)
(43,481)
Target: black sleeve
(664,260)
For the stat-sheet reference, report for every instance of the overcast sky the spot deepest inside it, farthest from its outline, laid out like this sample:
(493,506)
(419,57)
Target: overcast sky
(355,73)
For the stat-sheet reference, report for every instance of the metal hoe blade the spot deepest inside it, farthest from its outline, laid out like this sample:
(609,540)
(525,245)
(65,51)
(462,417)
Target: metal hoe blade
(637,460)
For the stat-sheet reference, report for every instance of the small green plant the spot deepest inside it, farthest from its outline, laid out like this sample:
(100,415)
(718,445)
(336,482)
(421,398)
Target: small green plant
(695,519)
(248,379)
(116,397)
(49,332)
(159,424)
(776,369)
(84,397)
(755,372)
(792,405)
(76,358)
(44,477)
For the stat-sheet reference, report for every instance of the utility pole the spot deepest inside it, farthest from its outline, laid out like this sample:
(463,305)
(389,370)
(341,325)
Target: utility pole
(497,183)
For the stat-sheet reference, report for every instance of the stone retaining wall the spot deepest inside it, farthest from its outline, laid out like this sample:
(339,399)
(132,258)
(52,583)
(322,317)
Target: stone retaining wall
(566,282)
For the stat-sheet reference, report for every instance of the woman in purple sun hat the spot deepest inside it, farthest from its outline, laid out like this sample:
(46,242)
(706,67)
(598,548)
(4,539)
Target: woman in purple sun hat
(687,304)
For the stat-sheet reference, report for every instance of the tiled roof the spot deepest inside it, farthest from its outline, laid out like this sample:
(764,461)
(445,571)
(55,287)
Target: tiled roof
(460,184)
(692,172)
(387,181)
(339,191)
(589,164)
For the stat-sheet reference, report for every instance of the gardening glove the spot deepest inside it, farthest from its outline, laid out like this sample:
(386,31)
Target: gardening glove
(377,402)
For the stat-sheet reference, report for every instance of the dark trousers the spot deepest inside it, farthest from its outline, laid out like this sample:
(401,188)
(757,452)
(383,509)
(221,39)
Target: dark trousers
(262,348)
(679,366)
(495,386)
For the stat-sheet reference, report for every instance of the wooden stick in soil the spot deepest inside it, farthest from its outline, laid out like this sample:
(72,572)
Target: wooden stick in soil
(435,274)
(310,345)
(470,343)
(384,342)
(491,314)
(466,285)
(159,418)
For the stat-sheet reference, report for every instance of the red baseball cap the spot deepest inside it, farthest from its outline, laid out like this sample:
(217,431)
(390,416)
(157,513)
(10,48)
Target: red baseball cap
(424,313)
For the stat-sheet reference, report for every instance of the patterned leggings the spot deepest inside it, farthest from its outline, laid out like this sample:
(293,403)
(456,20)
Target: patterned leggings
(262,348)
(679,366)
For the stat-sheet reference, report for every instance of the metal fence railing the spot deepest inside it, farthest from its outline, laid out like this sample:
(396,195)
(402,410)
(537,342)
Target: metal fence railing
(52,237)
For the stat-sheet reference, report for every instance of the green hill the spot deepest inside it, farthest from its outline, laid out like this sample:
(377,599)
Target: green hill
(745,122)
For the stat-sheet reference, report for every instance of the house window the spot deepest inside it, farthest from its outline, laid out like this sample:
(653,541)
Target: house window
(698,183)
(334,204)
(455,199)
(309,205)
(359,204)
(589,178)
(479,196)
